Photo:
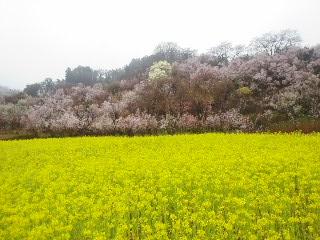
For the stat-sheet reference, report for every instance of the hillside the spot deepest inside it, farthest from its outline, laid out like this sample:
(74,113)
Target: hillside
(272,84)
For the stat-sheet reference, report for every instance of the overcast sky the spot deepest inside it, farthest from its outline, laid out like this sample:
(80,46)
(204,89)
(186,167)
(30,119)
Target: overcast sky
(41,38)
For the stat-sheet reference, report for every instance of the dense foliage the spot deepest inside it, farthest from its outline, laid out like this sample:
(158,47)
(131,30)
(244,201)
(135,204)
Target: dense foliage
(212,186)
(246,88)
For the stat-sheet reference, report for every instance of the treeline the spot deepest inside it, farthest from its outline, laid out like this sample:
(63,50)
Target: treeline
(271,84)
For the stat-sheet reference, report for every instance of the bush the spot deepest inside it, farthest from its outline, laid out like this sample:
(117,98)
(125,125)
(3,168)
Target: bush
(229,121)
(188,123)
(139,123)
(244,91)
(160,70)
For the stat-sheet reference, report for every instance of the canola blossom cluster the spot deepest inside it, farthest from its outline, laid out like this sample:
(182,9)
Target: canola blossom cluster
(206,186)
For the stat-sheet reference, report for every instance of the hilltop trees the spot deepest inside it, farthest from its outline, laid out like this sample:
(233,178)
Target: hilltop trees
(272,43)
(225,52)
(39,89)
(171,52)
(32,89)
(80,74)
(137,69)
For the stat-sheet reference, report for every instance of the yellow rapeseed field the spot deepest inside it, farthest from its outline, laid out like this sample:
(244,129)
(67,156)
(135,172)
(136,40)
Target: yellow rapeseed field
(207,186)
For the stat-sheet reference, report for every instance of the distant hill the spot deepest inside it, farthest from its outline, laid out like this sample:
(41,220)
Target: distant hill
(4,91)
